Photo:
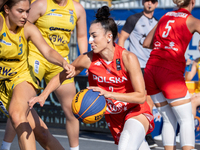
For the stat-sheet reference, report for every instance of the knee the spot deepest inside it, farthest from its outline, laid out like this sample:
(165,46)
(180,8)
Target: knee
(17,118)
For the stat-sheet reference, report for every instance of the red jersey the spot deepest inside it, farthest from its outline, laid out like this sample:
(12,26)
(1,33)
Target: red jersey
(111,77)
(171,40)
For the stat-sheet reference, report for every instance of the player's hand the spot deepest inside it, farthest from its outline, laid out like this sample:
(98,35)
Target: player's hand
(70,70)
(37,99)
(98,89)
(188,62)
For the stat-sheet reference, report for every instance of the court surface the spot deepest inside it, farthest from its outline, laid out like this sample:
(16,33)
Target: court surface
(87,140)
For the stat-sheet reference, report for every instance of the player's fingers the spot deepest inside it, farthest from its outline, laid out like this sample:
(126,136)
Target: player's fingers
(31,102)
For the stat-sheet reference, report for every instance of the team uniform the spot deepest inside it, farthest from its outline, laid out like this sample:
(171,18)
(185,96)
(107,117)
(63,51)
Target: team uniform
(55,26)
(14,68)
(197,90)
(166,65)
(113,77)
(138,26)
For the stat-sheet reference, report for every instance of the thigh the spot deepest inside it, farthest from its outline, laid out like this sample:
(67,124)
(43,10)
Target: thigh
(19,101)
(150,84)
(143,119)
(65,94)
(173,85)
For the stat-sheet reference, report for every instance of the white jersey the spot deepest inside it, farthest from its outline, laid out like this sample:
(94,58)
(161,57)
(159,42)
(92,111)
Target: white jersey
(138,26)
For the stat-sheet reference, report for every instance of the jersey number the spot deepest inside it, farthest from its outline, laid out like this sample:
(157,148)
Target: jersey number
(111,88)
(21,47)
(168,27)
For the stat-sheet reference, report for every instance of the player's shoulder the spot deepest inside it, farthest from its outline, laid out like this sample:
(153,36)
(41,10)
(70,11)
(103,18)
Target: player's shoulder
(128,56)
(40,3)
(78,5)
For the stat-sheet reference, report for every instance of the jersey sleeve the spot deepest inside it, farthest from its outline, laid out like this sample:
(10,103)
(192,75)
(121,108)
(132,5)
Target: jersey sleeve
(131,22)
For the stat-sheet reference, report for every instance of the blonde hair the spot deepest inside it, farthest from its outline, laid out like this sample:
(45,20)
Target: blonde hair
(181,3)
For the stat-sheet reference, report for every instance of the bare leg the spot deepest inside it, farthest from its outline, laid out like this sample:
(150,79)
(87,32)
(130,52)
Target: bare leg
(65,93)
(9,132)
(42,134)
(18,112)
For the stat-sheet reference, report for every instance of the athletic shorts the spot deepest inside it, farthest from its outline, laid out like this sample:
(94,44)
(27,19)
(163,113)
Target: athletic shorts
(8,85)
(116,121)
(44,69)
(171,84)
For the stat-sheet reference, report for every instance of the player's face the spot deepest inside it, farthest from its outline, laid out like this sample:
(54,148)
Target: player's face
(18,14)
(150,5)
(98,39)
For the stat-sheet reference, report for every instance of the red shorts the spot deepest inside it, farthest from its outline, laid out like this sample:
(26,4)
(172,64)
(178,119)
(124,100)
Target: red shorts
(116,121)
(171,84)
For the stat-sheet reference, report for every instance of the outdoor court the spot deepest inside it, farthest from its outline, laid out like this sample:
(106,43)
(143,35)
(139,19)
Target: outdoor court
(88,140)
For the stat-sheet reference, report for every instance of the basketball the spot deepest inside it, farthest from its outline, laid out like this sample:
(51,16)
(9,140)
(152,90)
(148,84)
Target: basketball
(88,106)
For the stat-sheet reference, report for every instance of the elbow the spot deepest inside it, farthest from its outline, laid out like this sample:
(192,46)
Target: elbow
(143,99)
(144,45)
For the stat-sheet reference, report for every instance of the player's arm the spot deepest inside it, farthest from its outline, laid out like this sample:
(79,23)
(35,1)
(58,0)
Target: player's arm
(148,42)
(38,8)
(81,28)
(32,33)
(83,61)
(136,77)
(193,24)
(189,75)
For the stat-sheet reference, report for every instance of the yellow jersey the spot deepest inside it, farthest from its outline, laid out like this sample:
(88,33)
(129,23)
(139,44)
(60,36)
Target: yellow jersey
(13,52)
(197,90)
(56,26)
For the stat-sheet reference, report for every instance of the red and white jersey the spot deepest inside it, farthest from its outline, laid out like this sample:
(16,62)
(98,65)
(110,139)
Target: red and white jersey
(171,39)
(111,77)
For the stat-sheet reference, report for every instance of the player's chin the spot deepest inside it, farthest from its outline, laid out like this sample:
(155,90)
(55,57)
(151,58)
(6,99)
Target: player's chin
(21,23)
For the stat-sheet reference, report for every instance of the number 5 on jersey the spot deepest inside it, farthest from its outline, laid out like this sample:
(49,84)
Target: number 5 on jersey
(168,27)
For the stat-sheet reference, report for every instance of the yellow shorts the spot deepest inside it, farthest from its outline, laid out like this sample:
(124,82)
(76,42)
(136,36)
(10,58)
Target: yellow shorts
(7,86)
(193,86)
(44,69)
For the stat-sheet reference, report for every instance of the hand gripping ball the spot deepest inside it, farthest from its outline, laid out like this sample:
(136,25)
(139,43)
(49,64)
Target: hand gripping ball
(88,106)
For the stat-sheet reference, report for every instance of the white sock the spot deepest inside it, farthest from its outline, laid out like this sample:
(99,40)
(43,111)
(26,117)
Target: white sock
(5,145)
(74,148)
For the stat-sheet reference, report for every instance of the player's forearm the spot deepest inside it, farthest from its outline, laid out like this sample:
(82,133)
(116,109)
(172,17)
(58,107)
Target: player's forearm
(134,97)
(55,58)
(83,44)
(51,86)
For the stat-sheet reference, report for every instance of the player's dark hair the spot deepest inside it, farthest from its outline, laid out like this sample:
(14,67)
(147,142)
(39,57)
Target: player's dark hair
(102,16)
(11,3)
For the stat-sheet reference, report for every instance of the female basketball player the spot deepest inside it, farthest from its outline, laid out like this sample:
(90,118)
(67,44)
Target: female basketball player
(18,84)
(56,19)
(111,71)
(164,71)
